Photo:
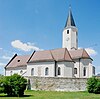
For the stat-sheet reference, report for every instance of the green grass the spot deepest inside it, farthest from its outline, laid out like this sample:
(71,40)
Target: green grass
(54,95)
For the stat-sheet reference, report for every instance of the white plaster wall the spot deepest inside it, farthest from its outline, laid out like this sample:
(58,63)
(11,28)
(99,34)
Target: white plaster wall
(80,65)
(39,69)
(76,65)
(67,69)
(16,71)
(66,43)
(72,42)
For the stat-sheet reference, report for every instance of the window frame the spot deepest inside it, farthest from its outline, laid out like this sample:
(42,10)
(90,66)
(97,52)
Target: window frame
(32,72)
(67,31)
(75,70)
(84,71)
(46,71)
(59,71)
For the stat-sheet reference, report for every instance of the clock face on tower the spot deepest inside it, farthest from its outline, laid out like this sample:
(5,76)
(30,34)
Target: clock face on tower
(67,39)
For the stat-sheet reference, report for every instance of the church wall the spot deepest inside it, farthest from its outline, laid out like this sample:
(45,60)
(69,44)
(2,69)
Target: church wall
(18,70)
(66,69)
(80,64)
(66,39)
(73,38)
(87,63)
(57,83)
(39,69)
(69,69)
(77,65)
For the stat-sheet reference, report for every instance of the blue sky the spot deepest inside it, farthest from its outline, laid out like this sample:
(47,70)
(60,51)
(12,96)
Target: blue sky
(28,25)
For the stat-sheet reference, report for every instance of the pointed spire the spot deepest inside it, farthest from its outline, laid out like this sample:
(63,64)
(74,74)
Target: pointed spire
(70,20)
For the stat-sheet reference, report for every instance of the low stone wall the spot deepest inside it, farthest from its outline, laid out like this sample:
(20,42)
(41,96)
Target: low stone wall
(57,84)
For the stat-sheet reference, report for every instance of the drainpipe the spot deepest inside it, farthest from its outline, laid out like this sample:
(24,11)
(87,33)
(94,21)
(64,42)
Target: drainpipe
(79,67)
(55,68)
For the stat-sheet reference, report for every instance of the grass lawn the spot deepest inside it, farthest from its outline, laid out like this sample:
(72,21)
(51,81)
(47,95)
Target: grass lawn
(54,95)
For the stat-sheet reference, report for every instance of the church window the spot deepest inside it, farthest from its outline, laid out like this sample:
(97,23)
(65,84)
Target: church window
(59,71)
(67,31)
(21,72)
(46,71)
(75,70)
(11,72)
(84,71)
(32,71)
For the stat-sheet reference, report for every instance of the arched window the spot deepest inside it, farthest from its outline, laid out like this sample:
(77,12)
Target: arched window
(75,70)
(32,71)
(46,71)
(11,72)
(59,71)
(21,72)
(84,71)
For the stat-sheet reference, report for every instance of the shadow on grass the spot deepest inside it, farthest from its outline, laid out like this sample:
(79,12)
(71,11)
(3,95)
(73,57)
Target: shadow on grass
(15,96)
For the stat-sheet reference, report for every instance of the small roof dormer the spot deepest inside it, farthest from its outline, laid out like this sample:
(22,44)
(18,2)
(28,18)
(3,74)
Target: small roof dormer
(70,19)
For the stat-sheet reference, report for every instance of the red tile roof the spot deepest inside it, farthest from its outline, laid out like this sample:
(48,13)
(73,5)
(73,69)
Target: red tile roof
(42,56)
(18,61)
(80,53)
(61,54)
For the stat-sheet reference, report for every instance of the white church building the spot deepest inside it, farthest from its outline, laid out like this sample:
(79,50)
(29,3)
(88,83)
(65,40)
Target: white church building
(68,61)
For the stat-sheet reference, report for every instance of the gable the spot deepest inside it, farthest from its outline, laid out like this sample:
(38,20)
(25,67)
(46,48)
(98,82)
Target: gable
(80,53)
(18,61)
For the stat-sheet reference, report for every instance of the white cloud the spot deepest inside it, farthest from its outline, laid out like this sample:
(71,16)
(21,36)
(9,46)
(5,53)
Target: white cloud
(1,48)
(6,57)
(2,64)
(24,46)
(91,51)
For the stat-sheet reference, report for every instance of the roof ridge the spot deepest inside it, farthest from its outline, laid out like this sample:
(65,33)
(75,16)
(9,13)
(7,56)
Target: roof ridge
(68,54)
(82,52)
(11,60)
(31,56)
(64,53)
(52,54)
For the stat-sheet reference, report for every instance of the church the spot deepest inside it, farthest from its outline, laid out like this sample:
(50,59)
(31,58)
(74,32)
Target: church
(68,61)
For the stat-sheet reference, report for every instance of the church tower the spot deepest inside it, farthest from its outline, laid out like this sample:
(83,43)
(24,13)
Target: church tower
(70,35)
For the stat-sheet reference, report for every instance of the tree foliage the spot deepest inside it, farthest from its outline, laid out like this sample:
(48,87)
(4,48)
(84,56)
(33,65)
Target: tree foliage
(14,85)
(93,85)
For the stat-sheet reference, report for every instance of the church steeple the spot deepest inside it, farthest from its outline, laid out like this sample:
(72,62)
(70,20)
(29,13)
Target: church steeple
(70,33)
(70,19)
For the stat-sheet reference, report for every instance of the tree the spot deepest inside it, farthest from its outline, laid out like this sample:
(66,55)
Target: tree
(93,85)
(14,85)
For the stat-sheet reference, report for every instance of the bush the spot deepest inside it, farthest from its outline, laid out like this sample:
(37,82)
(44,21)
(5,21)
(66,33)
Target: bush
(14,85)
(97,88)
(1,84)
(93,85)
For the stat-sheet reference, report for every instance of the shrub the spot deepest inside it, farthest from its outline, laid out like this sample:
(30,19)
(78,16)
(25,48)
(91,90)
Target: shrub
(14,85)
(97,88)
(1,84)
(93,85)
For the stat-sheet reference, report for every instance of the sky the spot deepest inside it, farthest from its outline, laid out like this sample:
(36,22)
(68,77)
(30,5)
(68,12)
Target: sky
(28,25)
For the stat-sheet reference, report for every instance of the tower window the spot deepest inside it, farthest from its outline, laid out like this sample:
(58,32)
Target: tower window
(67,31)
(75,70)
(59,71)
